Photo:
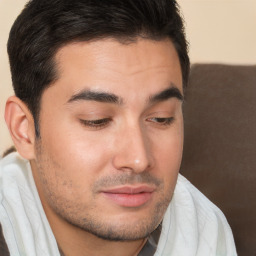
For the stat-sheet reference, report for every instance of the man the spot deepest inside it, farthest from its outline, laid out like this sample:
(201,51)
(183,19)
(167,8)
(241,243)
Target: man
(97,123)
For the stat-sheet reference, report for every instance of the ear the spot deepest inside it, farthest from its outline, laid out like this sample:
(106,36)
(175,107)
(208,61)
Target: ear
(20,123)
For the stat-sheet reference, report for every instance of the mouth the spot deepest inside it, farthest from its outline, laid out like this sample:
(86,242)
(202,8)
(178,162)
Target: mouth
(130,196)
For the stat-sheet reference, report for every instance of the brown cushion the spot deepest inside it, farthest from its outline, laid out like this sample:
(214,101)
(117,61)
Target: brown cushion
(220,144)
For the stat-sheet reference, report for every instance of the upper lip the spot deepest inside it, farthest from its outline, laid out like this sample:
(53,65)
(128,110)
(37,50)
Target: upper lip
(131,189)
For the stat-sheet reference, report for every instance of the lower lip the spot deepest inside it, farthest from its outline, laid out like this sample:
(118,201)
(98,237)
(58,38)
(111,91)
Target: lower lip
(129,200)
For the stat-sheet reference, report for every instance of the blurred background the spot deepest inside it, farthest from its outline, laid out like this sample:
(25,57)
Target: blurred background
(219,31)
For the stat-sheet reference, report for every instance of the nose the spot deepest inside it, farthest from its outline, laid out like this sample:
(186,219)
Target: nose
(133,151)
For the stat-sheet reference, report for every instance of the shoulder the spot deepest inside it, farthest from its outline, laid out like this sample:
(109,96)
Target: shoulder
(187,192)
(202,210)
(11,173)
(193,225)
(11,159)
(12,166)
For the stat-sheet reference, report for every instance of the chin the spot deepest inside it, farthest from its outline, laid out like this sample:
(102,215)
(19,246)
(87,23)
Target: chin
(123,233)
(127,227)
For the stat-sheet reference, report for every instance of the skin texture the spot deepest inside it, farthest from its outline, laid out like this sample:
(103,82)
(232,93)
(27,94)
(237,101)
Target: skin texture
(135,142)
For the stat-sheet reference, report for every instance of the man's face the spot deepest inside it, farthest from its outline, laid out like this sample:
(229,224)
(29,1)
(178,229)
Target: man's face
(111,137)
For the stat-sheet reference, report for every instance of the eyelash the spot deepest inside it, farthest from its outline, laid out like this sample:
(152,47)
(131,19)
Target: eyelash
(164,121)
(101,123)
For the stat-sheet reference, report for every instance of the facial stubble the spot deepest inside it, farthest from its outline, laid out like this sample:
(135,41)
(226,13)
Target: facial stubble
(81,216)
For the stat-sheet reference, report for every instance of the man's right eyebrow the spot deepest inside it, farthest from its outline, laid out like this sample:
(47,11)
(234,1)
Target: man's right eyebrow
(88,95)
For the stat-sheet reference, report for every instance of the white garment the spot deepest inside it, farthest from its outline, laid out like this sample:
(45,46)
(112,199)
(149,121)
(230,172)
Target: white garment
(192,225)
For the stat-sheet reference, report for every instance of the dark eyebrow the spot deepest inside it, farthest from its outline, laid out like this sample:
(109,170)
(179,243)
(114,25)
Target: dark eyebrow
(171,92)
(105,97)
(96,96)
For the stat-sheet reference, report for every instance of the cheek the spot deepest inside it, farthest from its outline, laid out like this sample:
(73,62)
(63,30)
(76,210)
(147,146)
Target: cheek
(169,145)
(168,155)
(78,154)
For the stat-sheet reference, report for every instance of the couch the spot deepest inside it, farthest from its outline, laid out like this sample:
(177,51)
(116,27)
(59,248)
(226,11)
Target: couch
(220,144)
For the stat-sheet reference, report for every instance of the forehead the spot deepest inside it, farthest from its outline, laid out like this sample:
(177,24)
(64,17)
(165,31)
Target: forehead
(131,54)
(144,65)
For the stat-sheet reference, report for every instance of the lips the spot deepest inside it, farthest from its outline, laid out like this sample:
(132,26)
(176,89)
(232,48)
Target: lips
(130,196)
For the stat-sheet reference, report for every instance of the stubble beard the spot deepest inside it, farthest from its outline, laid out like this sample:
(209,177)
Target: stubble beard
(121,232)
(79,216)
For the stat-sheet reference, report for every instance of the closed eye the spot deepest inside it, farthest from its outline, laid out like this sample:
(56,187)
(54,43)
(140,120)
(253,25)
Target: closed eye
(165,121)
(97,124)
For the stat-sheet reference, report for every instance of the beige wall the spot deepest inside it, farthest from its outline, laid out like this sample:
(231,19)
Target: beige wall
(221,30)
(218,31)
(9,10)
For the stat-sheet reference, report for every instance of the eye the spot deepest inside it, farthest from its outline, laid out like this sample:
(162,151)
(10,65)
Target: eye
(98,123)
(164,121)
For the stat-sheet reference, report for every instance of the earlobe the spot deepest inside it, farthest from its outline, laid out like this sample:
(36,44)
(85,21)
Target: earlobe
(20,123)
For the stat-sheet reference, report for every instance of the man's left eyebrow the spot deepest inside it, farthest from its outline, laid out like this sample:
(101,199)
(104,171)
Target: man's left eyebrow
(171,92)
